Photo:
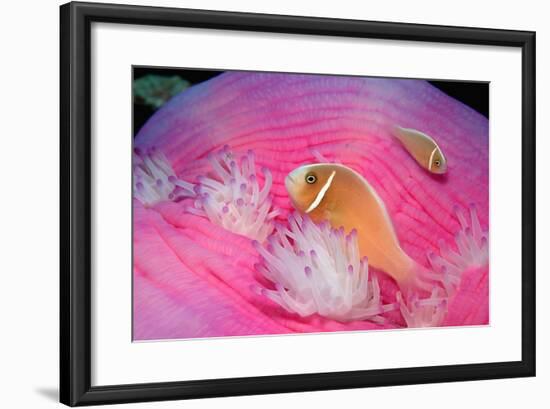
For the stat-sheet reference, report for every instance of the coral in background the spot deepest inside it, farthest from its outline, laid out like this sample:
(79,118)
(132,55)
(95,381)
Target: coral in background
(155,90)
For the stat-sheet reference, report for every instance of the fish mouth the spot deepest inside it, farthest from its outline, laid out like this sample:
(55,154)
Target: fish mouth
(290,182)
(292,187)
(442,170)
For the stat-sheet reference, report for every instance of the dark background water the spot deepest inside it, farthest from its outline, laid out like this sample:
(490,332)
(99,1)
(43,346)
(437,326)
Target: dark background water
(473,94)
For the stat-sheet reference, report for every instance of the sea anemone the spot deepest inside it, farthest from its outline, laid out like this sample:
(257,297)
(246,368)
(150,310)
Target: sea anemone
(193,277)
(452,267)
(233,199)
(318,269)
(154,179)
(426,312)
(472,252)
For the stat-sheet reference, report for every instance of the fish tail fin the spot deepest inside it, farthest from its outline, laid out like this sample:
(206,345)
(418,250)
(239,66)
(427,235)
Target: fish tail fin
(419,280)
(396,132)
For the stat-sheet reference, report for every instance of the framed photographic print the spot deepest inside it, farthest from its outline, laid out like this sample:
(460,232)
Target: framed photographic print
(262,204)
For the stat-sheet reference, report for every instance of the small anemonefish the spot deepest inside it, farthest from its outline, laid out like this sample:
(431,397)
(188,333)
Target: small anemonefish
(336,193)
(422,148)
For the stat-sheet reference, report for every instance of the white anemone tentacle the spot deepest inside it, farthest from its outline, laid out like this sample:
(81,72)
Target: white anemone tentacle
(317,269)
(233,199)
(155,181)
(426,312)
(472,250)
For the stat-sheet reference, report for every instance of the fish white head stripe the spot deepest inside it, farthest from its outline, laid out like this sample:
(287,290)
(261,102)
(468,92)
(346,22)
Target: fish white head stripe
(432,158)
(321,193)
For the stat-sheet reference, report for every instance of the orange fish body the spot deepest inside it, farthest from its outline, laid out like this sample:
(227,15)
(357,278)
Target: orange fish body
(423,148)
(340,195)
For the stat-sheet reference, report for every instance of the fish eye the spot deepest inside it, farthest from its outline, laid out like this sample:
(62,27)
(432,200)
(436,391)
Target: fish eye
(311,178)
(437,162)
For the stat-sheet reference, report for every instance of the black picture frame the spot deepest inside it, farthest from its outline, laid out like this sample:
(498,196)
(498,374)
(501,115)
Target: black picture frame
(76,202)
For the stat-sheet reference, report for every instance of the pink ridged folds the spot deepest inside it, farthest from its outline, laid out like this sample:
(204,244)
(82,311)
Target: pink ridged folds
(216,251)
